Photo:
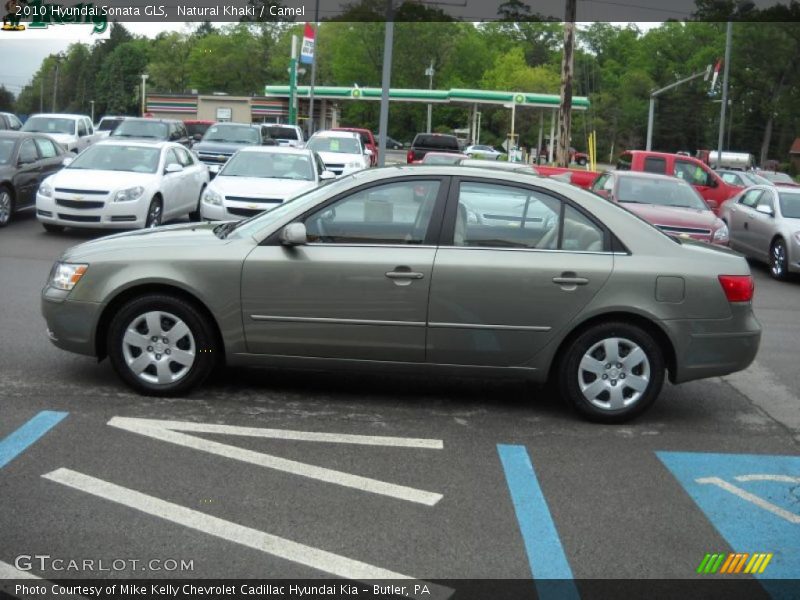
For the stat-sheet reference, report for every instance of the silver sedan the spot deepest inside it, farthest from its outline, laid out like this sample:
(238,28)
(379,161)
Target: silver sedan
(384,269)
(764,223)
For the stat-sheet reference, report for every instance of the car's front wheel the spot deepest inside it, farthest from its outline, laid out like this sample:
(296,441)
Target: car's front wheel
(612,372)
(161,345)
(6,206)
(778,260)
(155,214)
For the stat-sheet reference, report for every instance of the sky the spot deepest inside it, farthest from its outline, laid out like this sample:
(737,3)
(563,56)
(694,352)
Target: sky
(22,57)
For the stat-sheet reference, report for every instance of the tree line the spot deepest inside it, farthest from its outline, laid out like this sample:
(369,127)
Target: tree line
(616,67)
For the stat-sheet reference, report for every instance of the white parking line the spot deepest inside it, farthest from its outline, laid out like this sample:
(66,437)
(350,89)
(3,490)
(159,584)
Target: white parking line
(163,430)
(309,556)
(10,572)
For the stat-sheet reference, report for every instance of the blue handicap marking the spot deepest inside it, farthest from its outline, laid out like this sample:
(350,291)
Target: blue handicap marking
(752,500)
(19,440)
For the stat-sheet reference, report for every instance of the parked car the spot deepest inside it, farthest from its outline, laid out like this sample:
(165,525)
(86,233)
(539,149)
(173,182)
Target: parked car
(74,132)
(108,124)
(10,121)
(367,141)
(26,159)
(258,178)
(162,130)
(341,151)
(432,142)
(221,140)
(668,203)
(742,178)
(284,135)
(603,301)
(197,128)
(764,222)
(710,185)
(122,184)
(483,151)
(393,144)
(441,158)
(778,178)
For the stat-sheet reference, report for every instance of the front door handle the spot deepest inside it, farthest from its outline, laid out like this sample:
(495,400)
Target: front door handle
(404,275)
(570,280)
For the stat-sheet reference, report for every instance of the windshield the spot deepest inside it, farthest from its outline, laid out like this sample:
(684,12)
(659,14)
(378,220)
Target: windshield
(756,179)
(664,192)
(790,205)
(141,129)
(49,125)
(777,177)
(281,133)
(301,201)
(6,150)
(335,144)
(134,159)
(275,165)
(233,134)
(107,124)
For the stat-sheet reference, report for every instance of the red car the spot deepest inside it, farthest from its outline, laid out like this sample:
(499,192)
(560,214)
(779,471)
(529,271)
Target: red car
(669,203)
(367,140)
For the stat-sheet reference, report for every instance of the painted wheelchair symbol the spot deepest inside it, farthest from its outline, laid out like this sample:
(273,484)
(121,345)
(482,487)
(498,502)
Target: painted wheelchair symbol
(755,499)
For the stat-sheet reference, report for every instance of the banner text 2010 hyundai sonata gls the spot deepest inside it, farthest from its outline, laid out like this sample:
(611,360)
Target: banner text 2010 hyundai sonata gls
(386,268)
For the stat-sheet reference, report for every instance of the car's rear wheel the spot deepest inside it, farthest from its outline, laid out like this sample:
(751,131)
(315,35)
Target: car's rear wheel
(6,206)
(49,228)
(778,260)
(161,345)
(612,372)
(154,214)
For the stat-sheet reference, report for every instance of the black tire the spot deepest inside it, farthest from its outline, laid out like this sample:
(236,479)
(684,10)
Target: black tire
(647,373)
(155,213)
(199,342)
(195,214)
(778,260)
(581,162)
(6,205)
(52,228)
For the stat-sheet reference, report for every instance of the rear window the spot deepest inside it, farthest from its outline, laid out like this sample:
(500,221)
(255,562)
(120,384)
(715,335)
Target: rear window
(195,128)
(624,162)
(107,124)
(443,142)
(282,133)
(654,164)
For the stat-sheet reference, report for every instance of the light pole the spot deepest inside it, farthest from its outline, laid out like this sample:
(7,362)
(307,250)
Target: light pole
(311,124)
(144,93)
(726,66)
(429,72)
(91,102)
(55,86)
(651,113)
(386,81)
(293,83)
(478,130)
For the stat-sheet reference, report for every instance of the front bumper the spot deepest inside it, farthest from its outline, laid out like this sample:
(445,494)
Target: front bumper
(70,324)
(714,347)
(109,215)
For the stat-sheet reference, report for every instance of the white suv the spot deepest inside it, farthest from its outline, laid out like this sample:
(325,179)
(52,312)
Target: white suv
(284,135)
(73,132)
(341,151)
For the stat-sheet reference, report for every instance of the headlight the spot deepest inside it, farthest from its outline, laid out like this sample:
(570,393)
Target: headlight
(212,197)
(721,234)
(129,194)
(46,189)
(64,276)
(356,164)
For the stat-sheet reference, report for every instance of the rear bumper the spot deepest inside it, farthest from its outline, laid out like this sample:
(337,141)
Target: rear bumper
(711,348)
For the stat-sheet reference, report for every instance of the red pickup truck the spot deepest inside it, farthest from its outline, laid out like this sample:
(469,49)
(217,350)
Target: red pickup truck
(710,185)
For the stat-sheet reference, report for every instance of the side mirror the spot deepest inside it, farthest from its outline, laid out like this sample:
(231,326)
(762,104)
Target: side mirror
(712,182)
(197,137)
(67,161)
(327,175)
(765,210)
(294,234)
(173,168)
(367,151)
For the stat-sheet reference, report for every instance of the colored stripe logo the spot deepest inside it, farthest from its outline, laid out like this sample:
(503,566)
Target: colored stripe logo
(734,563)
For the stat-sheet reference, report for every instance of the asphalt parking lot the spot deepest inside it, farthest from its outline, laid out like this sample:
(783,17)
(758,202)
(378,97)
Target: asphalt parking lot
(267,474)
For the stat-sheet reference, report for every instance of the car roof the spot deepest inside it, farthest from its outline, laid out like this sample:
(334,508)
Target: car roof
(60,116)
(646,175)
(254,125)
(276,150)
(149,120)
(133,142)
(10,133)
(341,134)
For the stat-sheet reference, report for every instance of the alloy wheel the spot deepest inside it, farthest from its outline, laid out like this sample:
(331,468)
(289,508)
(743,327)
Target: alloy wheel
(5,208)
(778,260)
(153,215)
(158,347)
(614,373)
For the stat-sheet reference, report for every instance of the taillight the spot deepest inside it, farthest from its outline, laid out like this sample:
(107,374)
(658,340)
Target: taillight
(410,157)
(737,288)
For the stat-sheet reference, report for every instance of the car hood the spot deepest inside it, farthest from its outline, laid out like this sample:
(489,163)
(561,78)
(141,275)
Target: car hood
(338,157)
(170,236)
(260,187)
(673,216)
(221,147)
(92,179)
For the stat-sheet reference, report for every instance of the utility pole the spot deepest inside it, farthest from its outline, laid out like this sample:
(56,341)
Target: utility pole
(144,93)
(92,103)
(41,94)
(726,66)
(565,116)
(386,81)
(293,83)
(429,72)
(55,87)
(311,125)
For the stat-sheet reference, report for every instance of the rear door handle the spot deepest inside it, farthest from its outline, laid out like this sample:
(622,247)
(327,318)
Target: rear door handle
(404,275)
(570,280)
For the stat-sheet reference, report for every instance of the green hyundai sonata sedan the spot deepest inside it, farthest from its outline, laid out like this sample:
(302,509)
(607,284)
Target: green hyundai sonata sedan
(456,270)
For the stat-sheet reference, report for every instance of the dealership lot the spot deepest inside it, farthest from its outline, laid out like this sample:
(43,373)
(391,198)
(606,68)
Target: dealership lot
(360,476)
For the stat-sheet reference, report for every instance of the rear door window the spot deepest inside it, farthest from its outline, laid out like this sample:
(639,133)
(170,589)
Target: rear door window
(655,164)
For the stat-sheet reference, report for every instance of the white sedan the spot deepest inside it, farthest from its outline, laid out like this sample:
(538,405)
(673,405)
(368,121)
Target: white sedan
(122,184)
(482,151)
(259,178)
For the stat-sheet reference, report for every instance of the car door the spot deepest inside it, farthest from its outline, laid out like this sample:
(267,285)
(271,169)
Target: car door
(762,226)
(508,276)
(26,178)
(51,159)
(192,176)
(172,189)
(741,214)
(359,288)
